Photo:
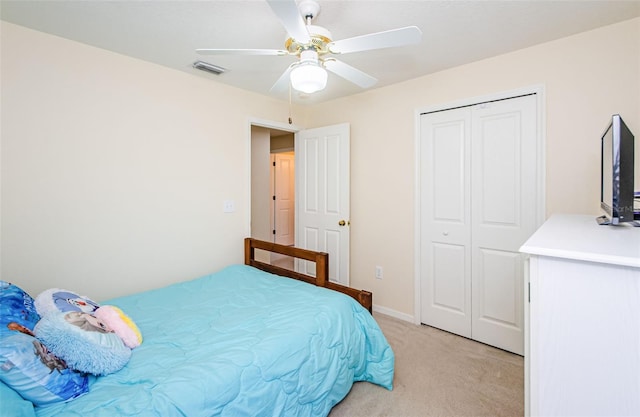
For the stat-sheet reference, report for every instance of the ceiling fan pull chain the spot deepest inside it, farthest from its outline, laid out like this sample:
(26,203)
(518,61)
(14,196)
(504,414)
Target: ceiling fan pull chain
(290,119)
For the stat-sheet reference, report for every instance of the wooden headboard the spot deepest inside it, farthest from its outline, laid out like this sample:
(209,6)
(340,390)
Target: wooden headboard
(321,259)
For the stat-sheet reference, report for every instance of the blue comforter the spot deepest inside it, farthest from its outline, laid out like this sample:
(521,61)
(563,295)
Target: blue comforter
(240,342)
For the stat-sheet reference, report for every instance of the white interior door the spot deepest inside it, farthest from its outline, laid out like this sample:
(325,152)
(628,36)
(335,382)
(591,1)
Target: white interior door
(445,221)
(284,198)
(503,216)
(478,168)
(322,196)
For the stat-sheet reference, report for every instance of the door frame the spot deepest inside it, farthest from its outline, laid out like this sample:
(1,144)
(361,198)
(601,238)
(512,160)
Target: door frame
(268,124)
(539,91)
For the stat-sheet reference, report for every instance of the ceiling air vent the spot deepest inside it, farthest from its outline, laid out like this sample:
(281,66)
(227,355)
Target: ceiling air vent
(205,66)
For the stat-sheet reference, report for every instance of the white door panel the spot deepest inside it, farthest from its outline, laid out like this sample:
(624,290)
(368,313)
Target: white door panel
(497,300)
(322,188)
(449,303)
(284,202)
(504,171)
(503,207)
(446,253)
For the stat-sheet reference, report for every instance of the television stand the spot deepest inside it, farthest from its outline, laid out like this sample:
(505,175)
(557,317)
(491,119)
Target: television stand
(583,322)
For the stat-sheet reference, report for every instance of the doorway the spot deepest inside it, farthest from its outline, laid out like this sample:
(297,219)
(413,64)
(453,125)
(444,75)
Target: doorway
(273,189)
(283,181)
(321,196)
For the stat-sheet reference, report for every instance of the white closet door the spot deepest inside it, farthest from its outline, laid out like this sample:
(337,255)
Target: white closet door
(503,216)
(478,191)
(445,220)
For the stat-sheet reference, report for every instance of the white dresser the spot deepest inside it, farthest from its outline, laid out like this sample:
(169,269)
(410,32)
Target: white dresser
(582,339)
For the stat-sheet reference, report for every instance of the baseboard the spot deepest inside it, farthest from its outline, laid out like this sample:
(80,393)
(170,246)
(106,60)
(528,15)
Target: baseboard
(393,313)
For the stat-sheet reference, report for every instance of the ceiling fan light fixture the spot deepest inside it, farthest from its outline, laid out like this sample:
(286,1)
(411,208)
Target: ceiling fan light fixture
(308,76)
(314,46)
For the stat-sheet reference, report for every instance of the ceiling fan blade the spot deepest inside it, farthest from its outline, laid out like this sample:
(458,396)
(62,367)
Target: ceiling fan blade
(350,73)
(241,52)
(287,12)
(282,84)
(396,37)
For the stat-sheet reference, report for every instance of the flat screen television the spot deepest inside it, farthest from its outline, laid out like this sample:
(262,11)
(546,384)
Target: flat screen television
(617,173)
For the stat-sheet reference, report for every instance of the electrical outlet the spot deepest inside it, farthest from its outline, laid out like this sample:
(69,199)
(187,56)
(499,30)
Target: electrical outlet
(228,206)
(378,272)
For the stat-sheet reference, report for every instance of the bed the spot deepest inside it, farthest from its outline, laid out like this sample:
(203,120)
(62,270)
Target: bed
(244,341)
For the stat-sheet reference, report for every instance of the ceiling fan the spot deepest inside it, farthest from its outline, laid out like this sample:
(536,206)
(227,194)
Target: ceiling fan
(315,49)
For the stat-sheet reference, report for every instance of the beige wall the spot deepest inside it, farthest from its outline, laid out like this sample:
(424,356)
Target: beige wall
(282,143)
(587,78)
(114,170)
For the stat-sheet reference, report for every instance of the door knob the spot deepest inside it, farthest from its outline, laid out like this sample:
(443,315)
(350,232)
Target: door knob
(342,223)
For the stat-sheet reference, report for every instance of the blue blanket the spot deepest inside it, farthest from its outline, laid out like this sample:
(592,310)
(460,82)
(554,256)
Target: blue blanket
(240,342)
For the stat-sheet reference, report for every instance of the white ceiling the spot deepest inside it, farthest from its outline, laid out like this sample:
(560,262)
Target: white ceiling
(454,32)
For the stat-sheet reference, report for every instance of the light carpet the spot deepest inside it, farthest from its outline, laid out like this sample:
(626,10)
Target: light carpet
(440,374)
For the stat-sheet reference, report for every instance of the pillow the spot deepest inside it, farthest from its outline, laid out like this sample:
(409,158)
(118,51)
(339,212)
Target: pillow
(121,324)
(37,375)
(83,342)
(13,404)
(16,306)
(25,364)
(55,300)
